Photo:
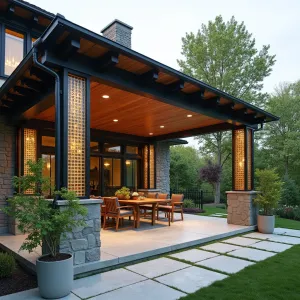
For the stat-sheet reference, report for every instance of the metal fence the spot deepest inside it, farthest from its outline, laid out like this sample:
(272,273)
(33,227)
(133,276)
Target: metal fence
(198,196)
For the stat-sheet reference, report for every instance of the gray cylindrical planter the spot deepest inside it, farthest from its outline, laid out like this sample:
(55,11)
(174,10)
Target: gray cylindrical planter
(55,278)
(265,224)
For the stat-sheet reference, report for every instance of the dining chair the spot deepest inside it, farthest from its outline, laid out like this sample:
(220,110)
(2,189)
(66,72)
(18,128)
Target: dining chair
(176,205)
(117,212)
(147,208)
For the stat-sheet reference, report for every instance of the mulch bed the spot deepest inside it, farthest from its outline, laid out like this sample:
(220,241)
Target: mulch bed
(193,210)
(18,282)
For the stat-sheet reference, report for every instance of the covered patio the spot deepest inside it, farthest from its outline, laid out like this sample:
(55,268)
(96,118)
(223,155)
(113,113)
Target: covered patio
(131,245)
(104,116)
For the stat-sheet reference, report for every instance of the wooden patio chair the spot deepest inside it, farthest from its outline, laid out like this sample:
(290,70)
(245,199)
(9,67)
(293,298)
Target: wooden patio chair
(162,196)
(147,207)
(117,212)
(176,205)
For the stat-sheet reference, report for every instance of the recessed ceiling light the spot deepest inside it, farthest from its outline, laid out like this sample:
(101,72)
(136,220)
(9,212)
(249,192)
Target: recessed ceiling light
(105,96)
(189,116)
(162,126)
(115,120)
(151,133)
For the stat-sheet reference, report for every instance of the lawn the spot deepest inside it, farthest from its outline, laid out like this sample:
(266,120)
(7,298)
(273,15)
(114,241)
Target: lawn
(276,278)
(209,210)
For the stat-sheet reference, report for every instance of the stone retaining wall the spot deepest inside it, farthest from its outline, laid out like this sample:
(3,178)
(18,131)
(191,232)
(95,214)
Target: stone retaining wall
(241,209)
(163,167)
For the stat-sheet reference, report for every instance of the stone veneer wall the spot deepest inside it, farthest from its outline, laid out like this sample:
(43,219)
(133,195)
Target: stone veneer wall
(7,167)
(241,209)
(163,167)
(84,242)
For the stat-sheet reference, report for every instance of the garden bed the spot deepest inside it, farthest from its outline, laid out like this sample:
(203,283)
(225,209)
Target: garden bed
(19,281)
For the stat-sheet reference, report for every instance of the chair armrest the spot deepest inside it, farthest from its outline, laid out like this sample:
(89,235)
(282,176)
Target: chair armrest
(167,201)
(177,203)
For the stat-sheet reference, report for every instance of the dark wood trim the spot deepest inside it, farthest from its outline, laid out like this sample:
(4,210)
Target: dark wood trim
(246,159)
(233,159)
(252,159)
(88,137)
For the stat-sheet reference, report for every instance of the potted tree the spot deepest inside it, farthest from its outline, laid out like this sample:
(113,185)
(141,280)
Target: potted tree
(123,193)
(46,224)
(269,187)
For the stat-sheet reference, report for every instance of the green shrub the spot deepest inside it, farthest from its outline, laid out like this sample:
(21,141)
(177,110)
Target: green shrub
(7,265)
(269,187)
(290,192)
(289,212)
(188,203)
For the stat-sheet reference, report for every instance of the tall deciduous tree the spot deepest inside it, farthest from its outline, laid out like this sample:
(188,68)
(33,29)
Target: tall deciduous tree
(224,55)
(282,138)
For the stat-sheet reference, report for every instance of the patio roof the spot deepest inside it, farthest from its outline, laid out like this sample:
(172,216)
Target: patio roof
(130,76)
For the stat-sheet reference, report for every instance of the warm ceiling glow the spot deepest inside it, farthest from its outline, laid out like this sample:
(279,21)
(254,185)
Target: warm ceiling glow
(189,116)
(105,96)
(151,133)
(115,120)
(162,126)
(106,164)
(127,162)
(48,166)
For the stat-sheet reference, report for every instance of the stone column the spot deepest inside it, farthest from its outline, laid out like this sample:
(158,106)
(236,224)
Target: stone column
(241,209)
(163,167)
(7,169)
(84,241)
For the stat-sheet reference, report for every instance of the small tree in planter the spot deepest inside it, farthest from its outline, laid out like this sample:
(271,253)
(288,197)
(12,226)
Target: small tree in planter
(45,223)
(269,187)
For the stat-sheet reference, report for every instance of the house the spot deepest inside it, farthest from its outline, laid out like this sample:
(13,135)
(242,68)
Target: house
(103,115)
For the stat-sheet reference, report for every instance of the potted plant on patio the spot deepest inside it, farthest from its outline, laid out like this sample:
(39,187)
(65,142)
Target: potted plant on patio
(135,196)
(269,187)
(123,193)
(46,224)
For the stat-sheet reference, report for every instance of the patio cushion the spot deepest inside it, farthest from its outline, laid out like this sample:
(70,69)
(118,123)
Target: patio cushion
(123,212)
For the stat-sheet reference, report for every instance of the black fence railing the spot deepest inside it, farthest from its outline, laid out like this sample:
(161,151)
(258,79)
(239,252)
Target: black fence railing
(198,196)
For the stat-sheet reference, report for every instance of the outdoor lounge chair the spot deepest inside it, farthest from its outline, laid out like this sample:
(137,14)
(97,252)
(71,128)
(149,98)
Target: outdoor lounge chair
(176,205)
(117,212)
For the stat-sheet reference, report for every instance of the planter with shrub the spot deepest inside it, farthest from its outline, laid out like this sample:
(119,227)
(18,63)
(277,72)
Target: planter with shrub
(45,223)
(269,187)
(123,193)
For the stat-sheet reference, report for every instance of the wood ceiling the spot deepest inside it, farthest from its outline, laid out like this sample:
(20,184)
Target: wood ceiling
(136,115)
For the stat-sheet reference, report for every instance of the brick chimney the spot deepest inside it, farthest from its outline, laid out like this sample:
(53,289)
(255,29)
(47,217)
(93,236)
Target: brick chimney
(119,32)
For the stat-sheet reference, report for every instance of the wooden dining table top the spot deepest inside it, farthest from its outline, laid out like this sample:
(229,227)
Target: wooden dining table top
(144,201)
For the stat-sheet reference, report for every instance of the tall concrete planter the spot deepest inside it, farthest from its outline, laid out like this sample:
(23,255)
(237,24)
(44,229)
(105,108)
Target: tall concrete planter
(55,278)
(266,224)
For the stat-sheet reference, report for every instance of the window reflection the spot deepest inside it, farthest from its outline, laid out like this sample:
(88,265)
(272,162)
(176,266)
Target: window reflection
(94,176)
(49,171)
(132,149)
(14,50)
(112,175)
(131,174)
(115,148)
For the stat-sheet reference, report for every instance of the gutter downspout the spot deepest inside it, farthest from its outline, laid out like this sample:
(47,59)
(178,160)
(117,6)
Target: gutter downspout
(57,116)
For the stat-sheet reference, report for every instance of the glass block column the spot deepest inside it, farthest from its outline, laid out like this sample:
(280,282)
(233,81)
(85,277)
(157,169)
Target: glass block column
(149,166)
(242,153)
(77,129)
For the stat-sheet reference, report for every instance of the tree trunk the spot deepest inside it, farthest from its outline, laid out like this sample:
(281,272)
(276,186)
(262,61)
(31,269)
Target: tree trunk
(217,191)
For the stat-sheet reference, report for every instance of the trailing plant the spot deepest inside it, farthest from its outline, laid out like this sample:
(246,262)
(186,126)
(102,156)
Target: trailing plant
(269,187)
(8,265)
(38,217)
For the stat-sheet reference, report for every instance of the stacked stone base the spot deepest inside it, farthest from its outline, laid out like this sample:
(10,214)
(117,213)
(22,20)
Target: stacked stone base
(84,241)
(241,209)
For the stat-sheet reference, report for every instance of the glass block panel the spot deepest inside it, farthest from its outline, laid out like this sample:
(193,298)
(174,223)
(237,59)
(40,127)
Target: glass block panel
(76,134)
(145,158)
(249,159)
(239,159)
(29,151)
(152,167)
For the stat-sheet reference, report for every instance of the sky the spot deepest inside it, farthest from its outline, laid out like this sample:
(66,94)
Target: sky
(159,25)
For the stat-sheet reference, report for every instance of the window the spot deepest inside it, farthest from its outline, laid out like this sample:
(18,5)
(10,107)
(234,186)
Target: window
(132,149)
(49,171)
(94,147)
(48,141)
(131,174)
(14,50)
(115,148)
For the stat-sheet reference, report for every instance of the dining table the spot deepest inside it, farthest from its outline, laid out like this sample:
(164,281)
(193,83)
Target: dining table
(140,202)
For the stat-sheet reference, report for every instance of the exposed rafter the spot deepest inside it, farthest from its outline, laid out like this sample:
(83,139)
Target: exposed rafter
(40,74)
(150,76)
(25,91)
(176,86)
(107,61)
(14,97)
(33,84)
(68,48)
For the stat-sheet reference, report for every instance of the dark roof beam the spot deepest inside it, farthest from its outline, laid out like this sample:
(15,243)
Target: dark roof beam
(68,48)
(32,84)
(14,97)
(176,86)
(40,74)
(150,76)
(24,91)
(107,61)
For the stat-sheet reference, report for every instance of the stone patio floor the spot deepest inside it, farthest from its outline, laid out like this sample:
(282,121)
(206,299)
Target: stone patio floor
(176,275)
(133,244)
